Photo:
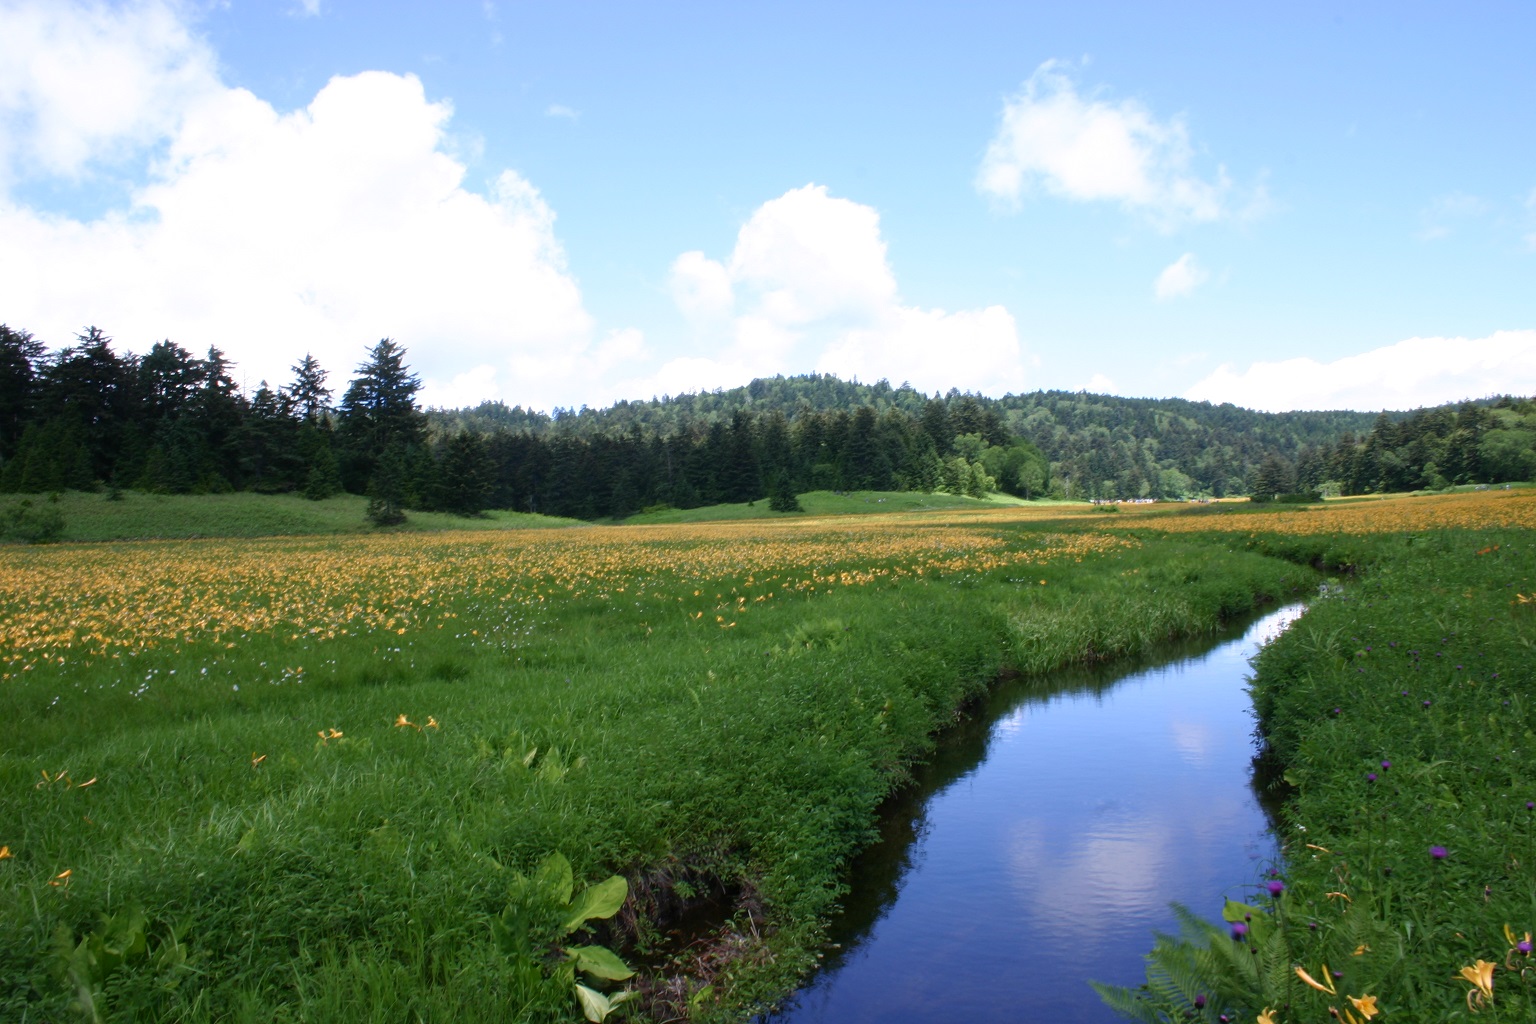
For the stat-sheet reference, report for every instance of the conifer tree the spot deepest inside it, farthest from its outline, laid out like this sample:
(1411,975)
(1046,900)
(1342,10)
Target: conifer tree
(310,397)
(378,414)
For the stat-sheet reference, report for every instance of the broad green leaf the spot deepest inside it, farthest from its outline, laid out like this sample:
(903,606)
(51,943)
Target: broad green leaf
(594,1005)
(602,900)
(1235,911)
(554,877)
(600,962)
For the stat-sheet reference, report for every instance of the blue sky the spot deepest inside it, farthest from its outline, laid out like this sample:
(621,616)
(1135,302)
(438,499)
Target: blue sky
(1315,206)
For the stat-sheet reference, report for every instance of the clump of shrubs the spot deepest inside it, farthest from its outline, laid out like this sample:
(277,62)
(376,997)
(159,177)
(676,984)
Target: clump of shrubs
(25,522)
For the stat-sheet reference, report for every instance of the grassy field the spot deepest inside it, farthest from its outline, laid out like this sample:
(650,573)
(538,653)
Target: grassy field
(323,778)
(134,515)
(315,778)
(833,503)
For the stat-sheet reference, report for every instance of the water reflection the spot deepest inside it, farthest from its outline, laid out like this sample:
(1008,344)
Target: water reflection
(1043,845)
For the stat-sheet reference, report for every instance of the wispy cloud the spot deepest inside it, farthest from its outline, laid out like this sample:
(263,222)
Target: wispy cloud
(561,110)
(1442,217)
(1530,207)
(1088,149)
(1180,277)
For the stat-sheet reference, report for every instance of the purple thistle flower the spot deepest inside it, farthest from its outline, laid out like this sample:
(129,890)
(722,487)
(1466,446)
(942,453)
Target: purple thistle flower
(1437,852)
(1239,929)
(1385,765)
(1275,887)
(1524,945)
(1370,776)
(1200,1001)
(1426,703)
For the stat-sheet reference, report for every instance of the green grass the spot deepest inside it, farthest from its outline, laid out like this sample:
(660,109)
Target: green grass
(284,875)
(91,516)
(831,503)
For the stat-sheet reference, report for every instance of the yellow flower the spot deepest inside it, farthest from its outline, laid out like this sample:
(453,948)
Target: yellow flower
(432,723)
(1267,1017)
(1304,976)
(62,878)
(1366,1005)
(1480,975)
(5,853)
(1362,949)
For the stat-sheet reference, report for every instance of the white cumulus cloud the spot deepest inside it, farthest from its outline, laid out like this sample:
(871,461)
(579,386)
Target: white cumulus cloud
(702,288)
(271,234)
(1099,384)
(808,286)
(1412,373)
(1180,277)
(89,83)
(1085,148)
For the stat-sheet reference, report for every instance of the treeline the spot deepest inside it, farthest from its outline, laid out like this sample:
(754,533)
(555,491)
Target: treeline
(1429,449)
(87,416)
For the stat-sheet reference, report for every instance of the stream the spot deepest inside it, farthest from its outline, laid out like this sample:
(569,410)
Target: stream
(1043,844)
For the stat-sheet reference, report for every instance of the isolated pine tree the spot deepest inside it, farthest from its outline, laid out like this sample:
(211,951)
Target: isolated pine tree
(386,489)
(783,497)
(378,414)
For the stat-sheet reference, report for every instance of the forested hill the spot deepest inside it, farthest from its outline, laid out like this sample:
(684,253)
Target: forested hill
(1071,410)
(1097,445)
(91,417)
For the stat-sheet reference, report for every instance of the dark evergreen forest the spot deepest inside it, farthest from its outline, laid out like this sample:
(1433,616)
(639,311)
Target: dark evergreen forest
(89,417)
